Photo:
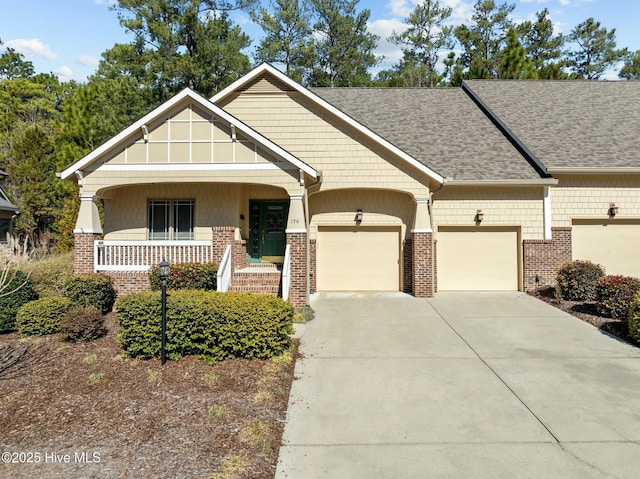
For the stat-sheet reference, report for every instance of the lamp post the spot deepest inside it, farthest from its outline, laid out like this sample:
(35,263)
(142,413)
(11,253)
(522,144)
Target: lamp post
(164,273)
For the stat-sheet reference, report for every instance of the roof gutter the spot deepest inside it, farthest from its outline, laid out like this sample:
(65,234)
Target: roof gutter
(515,141)
(539,182)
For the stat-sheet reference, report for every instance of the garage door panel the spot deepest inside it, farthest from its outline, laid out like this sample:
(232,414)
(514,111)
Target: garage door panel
(358,259)
(611,243)
(477,259)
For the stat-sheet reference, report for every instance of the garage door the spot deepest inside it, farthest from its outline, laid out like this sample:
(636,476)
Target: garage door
(611,243)
(477,259)
(358,259)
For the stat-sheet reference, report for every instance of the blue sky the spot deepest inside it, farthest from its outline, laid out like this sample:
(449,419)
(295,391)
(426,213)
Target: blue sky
(66,37)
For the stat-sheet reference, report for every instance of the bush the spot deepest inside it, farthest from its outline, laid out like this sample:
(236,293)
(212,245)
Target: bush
(50,273)
(42,316)
(187,276)
(577,280)
(82,323)
(91,290)
(634,318)
(11,302)
(614,295)
(214,325)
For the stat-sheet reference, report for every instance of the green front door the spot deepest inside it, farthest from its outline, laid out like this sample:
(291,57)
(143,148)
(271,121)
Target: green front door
(268,219)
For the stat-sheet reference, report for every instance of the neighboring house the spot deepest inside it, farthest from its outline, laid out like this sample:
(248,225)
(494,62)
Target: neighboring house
(491,186)
(8,212)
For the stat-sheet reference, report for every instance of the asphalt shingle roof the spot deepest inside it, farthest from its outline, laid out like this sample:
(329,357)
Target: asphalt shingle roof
(569,124)
(441,128)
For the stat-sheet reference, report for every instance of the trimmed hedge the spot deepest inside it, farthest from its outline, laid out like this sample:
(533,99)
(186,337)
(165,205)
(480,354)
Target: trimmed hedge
(82,323)
(42,316)
(91,290)
(634,318)
(10,303)
(214,325)
(187,276)
(614,295)
(577,280)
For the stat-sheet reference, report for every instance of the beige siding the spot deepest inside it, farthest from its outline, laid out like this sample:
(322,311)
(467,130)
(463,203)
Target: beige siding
(344,157)
(215,205)
(379,207)
(187,135)
(505,206)
(589,196)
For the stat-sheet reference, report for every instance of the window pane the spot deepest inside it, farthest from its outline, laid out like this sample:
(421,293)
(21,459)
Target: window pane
(159,220)
(183,218)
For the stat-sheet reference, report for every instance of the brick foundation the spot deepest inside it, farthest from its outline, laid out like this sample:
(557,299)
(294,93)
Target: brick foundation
(298,287)
(130,282)
(423,265)
(83,252)
(544,257)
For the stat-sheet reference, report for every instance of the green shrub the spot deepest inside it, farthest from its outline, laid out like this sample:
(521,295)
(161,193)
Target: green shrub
(13,298)
(91,290)
(214,325)
(42,316)
(187,276)
(50,273)
(634,318)
(577,280)
(82,323)
(614,295)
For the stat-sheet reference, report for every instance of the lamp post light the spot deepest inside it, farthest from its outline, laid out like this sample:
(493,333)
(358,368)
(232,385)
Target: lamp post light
(164,270)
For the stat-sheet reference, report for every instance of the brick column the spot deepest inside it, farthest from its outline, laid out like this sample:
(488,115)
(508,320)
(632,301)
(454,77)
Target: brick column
(544,257)
(312,266)
(407,266)
(298,287)
(423,264)
(83,252)
(221,237)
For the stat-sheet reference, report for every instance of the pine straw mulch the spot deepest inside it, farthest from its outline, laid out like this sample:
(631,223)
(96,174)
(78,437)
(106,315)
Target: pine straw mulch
(586,312)
(117,417)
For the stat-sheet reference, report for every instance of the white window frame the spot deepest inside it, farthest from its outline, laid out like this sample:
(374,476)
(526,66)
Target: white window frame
(170,216)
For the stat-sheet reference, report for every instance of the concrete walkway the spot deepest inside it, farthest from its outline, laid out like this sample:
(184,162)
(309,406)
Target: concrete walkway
(464,385)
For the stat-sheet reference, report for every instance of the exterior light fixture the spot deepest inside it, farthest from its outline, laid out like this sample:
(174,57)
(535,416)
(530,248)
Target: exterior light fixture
(358,218)
(478,217)
(164,270)
(613,209)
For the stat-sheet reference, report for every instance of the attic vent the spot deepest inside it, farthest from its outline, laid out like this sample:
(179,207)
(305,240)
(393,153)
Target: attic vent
(266,84)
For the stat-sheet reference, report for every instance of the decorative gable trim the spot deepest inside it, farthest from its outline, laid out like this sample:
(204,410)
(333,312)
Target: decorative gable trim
(187,93)
(265,68)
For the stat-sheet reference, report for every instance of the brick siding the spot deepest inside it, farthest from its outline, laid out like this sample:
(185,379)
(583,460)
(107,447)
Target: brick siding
(312,265)
(544,257)
(407,266)
(298,286)
(423,265)
(83,252)
(130,282)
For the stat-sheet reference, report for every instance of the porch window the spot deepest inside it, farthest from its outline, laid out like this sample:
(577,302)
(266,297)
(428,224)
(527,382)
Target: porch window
(171,219)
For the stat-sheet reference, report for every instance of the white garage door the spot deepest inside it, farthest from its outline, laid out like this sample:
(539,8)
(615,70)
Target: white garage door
(477,259)
(358,259)
(612,243)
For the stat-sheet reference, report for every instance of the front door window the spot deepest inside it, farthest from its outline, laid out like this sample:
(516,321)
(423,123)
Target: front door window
(267,236)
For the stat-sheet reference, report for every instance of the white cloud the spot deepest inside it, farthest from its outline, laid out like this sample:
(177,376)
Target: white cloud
(384,29)
(64,73)
(88,60)
(108,3)
(32,48)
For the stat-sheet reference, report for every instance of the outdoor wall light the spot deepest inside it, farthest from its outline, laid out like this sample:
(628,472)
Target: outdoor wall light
(478,217)
(358,218)
(613,209)
(164,269)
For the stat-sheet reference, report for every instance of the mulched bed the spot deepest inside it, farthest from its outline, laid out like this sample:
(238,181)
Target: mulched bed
(586,312)
(87,410)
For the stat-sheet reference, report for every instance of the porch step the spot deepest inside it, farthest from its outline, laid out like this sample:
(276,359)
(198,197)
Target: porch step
(260,278)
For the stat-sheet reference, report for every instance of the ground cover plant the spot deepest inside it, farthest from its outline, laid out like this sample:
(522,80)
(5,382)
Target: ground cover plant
(128,418)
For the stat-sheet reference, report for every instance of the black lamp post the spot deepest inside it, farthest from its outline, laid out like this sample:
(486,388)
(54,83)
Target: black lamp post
(164,273)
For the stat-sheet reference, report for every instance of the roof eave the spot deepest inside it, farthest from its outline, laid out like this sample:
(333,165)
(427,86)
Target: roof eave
(594,170)
(186,93)
(515,182)
(266,68)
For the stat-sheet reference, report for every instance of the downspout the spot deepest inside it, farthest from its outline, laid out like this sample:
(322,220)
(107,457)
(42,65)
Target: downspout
(307,220)
(431,193)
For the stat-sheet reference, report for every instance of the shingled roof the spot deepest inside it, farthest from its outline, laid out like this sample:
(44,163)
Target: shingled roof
(441,128)
(569,124)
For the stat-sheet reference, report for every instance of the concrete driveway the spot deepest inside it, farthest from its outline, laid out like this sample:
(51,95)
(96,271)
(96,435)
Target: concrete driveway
(464,385)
